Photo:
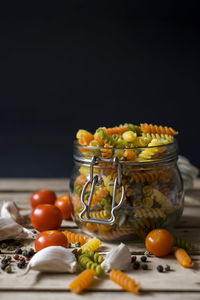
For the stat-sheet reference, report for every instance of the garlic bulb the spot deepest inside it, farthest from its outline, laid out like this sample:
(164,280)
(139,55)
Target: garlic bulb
(53,259)
(9,209)
(118,258)
(9,229)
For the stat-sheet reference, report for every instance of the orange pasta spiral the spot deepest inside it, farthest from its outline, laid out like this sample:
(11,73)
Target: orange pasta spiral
(99,195)
(144,177)
(84,137)
(82,282)
(115,130)
(76,237)
(81,179)
(130,154)
(106,153)
(125,282)
(149,128)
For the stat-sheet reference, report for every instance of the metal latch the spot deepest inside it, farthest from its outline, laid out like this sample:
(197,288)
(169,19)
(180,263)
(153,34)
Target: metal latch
(93,180)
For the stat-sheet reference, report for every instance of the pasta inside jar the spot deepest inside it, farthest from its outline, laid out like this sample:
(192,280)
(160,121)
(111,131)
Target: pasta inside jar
(120,193)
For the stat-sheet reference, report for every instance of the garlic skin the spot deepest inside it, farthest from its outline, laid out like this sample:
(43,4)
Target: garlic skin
(9,209)
(118,258)
(53,259)
(9,229)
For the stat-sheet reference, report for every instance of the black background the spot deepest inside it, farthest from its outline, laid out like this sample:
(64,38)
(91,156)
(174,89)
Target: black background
(92,64)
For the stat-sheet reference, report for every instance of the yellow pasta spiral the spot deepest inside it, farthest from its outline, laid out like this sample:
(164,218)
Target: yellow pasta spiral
(91,245)
(151,150)
(102,214)
(164,138)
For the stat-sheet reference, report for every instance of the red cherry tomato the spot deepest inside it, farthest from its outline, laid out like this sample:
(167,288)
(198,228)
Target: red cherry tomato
(46,217)
(159,242)
(42,197)
(63,203)
(50,238)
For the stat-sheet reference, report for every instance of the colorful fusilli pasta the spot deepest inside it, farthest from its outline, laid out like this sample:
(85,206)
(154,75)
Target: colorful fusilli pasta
(91,245)
(149,181)
(82,282)
(76,237)
(149,128)
(125,282)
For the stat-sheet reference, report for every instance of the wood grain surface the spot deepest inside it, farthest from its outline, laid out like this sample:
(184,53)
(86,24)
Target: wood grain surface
(179,283)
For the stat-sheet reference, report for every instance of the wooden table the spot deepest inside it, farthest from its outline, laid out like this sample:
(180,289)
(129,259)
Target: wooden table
(178,284)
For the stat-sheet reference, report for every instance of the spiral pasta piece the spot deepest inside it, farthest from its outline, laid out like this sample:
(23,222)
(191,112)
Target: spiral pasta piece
(151,150)
(78,189)
(86,262)
(130,154)
(82,282)
(91,245)
(116,130)
(149,213)
(105,152)
(125,282)
(76,237)
(84,137)
(133,128)
(165,138)
(163,201)
(129,136)
(81,179)
(183,258)
(146,176)
(102,214)
(103,135)
(183,243)
(149,128)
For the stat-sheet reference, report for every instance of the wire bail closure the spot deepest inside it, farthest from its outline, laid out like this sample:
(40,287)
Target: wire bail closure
(93,180)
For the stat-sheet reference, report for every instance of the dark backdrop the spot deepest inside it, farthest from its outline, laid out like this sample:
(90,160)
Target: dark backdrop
(99,64)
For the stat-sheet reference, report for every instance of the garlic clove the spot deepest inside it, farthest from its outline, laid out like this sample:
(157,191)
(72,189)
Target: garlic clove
(9,229)
(9,209)
(53,259)
(118,258)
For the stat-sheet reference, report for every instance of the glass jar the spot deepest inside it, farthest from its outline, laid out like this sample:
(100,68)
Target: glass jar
(115,199)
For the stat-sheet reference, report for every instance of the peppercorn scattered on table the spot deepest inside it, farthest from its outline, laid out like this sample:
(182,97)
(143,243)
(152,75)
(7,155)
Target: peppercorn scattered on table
(156,282)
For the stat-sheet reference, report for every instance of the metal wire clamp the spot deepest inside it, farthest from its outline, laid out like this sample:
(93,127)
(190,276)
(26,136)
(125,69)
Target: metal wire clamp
(93,180)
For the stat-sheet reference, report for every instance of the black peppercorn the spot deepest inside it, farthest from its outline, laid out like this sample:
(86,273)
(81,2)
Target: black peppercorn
(31,251)
(160,268)
(21,264)
(143,258)
(18,251)
(144,266)
(136,265)
(27,253)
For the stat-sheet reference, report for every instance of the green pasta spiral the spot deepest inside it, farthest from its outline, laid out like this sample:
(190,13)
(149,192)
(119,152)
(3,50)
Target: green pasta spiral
(91,262)
(78,189)
(183,243)
(133,128)
(103,135)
